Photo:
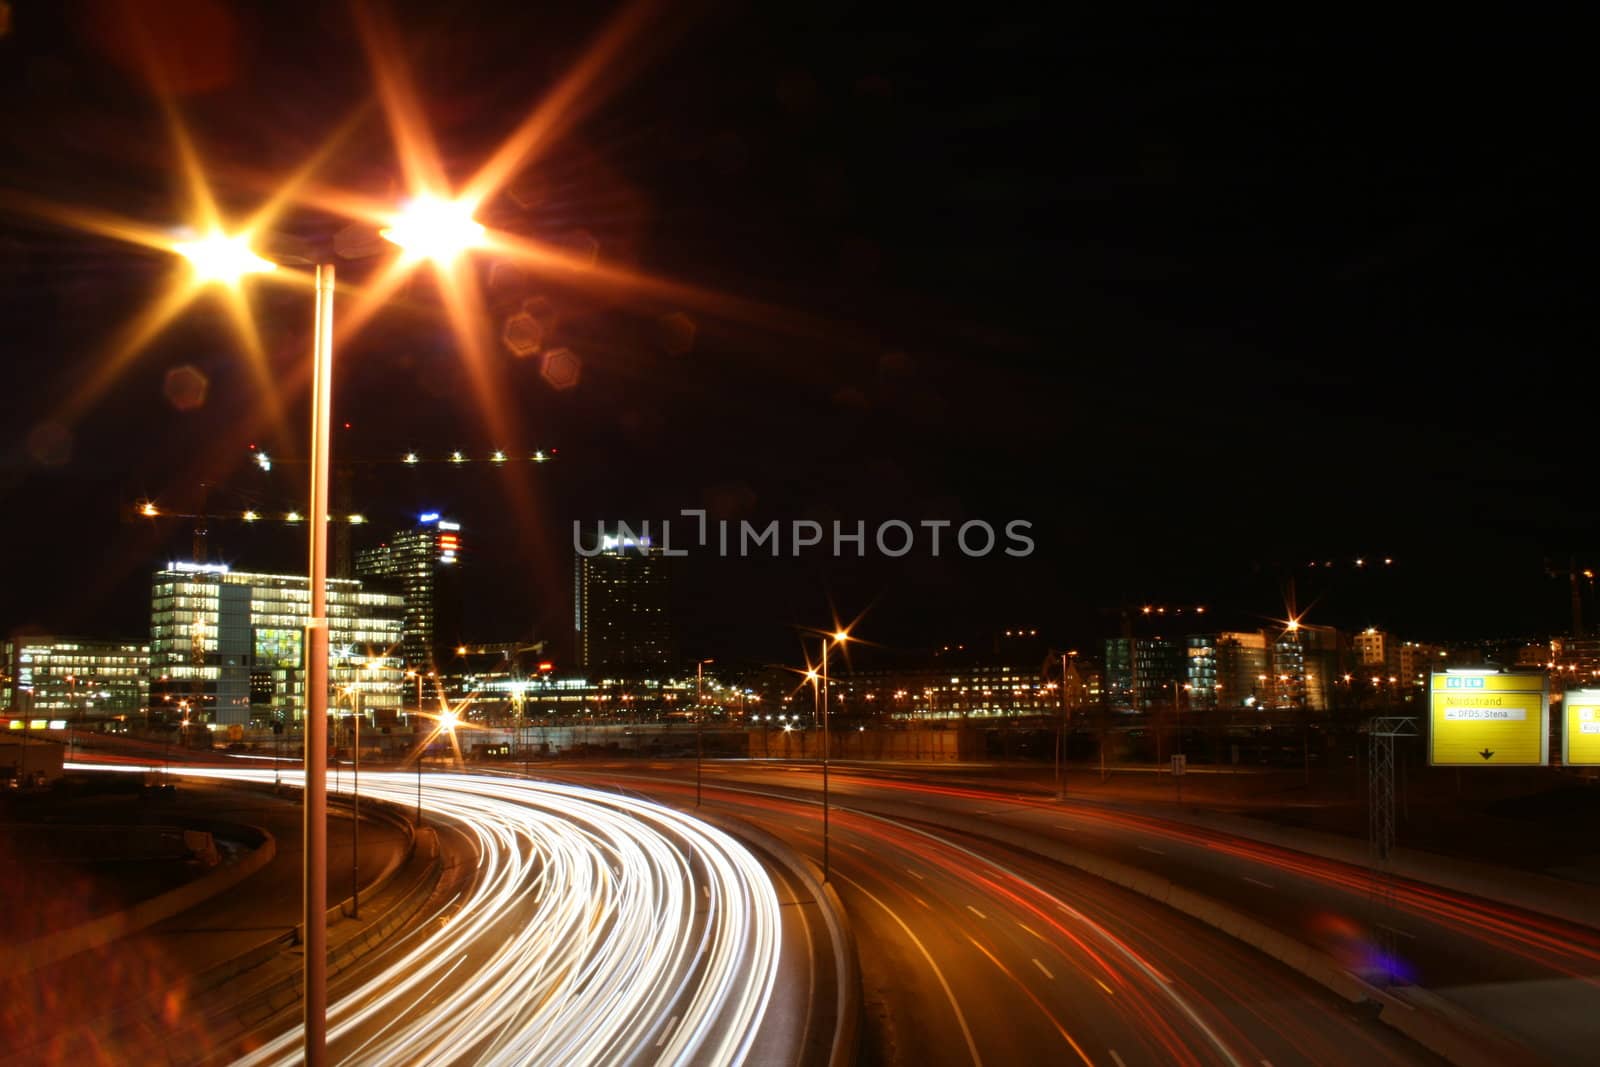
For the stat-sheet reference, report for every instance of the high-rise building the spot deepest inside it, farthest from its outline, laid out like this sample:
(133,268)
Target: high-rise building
(226,645)
(422,564)
(622,605)
(74,677)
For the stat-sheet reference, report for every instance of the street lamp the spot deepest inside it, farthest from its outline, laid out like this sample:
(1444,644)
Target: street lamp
(447,724)
(355,824)
(699,723)
(838,637)
(1061,737)
(421,229)
(72,708)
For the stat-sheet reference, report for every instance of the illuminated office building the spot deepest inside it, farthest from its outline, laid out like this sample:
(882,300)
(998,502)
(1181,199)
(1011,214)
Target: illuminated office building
(422,564)
(227,646)
(74,678)
(1227,670)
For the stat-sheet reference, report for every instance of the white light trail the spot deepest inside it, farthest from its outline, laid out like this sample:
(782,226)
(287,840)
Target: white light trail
(594,922)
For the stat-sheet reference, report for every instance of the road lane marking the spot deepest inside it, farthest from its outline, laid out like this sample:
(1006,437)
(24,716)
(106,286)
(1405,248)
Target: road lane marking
(1147,848)
(667,1031)
(1178,1000)
(1109,991)
(924,903)
(1062,1030)
(966,1032)
(976,912)
(914,874)
(1117,1058)
(1253,881)
(1068,829)
(1032,931)
(1044,969)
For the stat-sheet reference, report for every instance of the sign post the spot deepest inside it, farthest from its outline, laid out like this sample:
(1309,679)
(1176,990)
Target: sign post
(1580,733)
(1488,718)
(1180,765)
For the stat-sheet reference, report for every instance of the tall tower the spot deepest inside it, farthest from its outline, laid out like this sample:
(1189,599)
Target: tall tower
(423,564)
(622,605)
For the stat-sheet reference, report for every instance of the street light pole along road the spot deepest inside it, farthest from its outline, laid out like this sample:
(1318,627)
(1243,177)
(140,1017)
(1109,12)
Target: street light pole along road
(837,637)
(699,723)
(432,229)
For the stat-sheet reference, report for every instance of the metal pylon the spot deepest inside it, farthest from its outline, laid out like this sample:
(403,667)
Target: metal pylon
(1381,732)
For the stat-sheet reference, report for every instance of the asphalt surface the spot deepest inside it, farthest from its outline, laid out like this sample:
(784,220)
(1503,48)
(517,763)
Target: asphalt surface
(576,927)
(974,952)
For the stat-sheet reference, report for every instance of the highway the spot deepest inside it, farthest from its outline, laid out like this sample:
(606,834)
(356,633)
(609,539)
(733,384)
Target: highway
(975,952)
(593,928)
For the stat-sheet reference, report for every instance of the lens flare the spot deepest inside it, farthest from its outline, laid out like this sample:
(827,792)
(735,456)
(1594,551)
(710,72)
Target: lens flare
(221,258)
(432,227)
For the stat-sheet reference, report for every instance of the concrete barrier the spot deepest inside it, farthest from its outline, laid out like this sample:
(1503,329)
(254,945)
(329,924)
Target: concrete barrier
(841,935)
(101,931)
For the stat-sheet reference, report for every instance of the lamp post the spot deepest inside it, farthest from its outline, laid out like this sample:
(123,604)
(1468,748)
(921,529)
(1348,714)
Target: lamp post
(427,227)
(699,723)
(447,723)
(1181,767)
(72,710)
(837,637)
(1061,736)
(355,824)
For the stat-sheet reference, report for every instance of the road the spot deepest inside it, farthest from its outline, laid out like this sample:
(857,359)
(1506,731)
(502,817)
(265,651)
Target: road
(590,928)
(974,952)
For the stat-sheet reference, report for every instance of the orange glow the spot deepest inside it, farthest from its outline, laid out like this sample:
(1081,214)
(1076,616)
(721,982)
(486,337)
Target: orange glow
(431,227)
(218,257)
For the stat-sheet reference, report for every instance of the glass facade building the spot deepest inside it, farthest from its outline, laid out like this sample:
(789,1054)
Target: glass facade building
(1228,670)
(227,647)
(422,564)
(75,678)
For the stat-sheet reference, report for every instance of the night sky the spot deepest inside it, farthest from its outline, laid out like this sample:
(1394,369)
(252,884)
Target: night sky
(1202,302)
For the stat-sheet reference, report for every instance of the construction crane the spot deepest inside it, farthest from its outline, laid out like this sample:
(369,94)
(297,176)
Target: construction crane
(454,458)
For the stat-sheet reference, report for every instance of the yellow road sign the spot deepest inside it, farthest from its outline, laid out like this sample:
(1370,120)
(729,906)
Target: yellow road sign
(1580,734)
(1493,720)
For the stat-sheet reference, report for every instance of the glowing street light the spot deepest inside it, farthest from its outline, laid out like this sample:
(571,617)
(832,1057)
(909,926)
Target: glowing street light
(448,721)
(838,637)
(431,227)
(223,259)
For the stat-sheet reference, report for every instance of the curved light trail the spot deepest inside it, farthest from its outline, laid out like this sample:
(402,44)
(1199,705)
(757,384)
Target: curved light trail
(599,929)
